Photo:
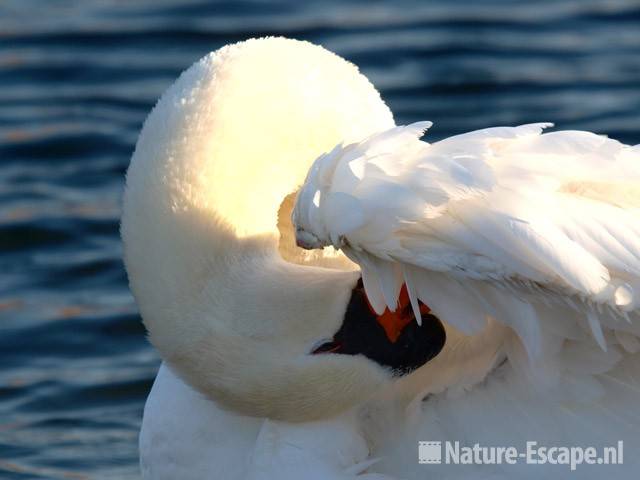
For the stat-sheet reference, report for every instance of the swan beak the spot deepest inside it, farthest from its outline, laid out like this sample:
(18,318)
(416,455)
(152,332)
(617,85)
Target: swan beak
(395,322)
(393,339)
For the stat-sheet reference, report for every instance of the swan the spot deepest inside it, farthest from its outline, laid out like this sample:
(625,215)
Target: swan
(237,308)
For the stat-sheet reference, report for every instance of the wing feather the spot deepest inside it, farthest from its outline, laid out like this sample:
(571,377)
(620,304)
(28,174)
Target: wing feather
(500,218)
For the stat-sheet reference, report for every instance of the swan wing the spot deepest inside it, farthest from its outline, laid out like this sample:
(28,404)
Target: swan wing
(495,218)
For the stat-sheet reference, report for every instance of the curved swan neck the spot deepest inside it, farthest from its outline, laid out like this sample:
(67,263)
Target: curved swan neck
(226,143)
(216,157)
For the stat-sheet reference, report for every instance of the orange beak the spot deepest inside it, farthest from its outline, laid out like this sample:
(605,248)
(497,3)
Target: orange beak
(395,322)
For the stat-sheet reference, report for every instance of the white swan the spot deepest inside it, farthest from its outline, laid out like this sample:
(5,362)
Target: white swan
(234,307)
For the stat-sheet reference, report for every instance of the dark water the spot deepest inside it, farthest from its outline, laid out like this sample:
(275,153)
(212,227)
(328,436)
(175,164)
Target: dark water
(77,79)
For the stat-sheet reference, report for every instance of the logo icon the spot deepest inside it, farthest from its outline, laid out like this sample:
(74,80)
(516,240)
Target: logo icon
(429,452)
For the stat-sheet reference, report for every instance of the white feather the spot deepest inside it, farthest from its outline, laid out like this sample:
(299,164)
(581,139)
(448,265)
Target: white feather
(491,223)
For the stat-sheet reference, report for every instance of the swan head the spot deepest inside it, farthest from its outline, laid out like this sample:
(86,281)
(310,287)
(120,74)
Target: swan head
(233,306)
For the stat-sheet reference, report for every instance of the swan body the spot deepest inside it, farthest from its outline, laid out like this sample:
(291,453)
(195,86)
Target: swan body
(187,436)
(235,307)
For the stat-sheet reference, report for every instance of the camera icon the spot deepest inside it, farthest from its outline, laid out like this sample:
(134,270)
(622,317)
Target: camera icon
(429,452)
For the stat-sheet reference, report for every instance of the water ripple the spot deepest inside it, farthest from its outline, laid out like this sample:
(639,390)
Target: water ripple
(77,79)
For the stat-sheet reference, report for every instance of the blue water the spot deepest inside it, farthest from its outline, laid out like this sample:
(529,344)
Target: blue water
(77,79)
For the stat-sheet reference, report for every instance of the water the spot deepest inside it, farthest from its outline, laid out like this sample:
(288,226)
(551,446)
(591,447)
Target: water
(77,79)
